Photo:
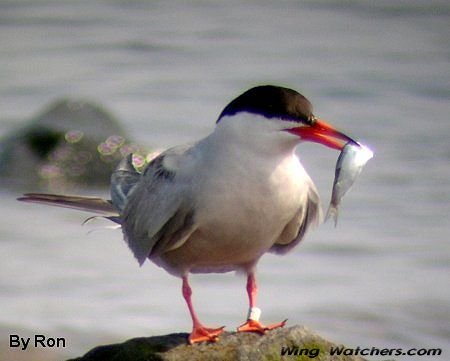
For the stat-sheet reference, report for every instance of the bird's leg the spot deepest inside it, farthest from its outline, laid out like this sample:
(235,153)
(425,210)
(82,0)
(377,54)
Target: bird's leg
(253,324)
(199,332)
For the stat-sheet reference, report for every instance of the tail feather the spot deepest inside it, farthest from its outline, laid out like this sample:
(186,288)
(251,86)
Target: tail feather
(88,204)
(115,219)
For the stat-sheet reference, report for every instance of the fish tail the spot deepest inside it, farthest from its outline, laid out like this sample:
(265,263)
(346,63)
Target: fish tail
(333,211)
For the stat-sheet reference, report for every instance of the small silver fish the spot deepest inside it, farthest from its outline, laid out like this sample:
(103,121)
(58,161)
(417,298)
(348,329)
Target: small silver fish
(348,166)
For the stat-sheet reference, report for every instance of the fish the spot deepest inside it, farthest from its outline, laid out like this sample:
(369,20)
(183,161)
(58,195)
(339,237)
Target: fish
(349,165)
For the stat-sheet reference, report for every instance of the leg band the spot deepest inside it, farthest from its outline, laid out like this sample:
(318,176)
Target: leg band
(254,314)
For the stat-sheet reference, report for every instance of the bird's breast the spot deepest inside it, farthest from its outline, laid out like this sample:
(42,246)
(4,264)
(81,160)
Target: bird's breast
(246,212)
(241,208)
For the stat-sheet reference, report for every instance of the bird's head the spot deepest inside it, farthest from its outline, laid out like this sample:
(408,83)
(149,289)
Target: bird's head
(287,111)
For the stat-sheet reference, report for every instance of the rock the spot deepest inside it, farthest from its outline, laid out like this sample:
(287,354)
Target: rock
(70,143)
(231,346)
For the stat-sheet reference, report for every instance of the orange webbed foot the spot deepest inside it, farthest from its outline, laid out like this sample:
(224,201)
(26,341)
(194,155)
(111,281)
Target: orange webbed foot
(202,334)
(256,326)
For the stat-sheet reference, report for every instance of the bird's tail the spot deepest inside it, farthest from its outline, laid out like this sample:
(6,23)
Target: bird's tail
(89,204)
(123,180)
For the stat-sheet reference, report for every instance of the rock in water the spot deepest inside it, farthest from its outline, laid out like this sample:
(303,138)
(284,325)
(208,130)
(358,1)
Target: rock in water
(70,143)
(297,343)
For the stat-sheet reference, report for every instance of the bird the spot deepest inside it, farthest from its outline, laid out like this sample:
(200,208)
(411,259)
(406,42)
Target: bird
(221,203)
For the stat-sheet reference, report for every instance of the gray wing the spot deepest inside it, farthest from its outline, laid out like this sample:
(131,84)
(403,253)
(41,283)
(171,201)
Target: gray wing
(123,180)
(159,214)
(308,216)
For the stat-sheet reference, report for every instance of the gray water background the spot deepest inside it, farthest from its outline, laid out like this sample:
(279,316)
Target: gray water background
(377,69)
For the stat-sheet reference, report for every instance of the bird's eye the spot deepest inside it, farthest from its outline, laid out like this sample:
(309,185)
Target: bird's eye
(312,120)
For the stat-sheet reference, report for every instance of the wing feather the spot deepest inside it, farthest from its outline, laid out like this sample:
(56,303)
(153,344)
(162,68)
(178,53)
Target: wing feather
(159,214)
(123,179)
(307,217)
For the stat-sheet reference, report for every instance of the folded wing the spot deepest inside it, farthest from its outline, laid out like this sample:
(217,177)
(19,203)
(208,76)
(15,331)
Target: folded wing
(159,214)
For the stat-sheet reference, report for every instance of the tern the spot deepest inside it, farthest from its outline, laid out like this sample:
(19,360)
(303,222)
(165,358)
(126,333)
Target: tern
(220,204)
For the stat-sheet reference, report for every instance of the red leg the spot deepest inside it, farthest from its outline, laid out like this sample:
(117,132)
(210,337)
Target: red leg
(199,332)
(253,324)
(252,289)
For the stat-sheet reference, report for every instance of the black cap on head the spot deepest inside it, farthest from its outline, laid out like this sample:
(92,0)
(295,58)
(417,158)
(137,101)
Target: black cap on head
(272,102)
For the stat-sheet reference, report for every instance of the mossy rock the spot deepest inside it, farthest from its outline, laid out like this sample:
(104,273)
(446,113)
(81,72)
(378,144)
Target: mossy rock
(230,346)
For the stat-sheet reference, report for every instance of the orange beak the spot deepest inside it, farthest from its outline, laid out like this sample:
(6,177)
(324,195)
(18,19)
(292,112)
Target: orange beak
(323,133)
